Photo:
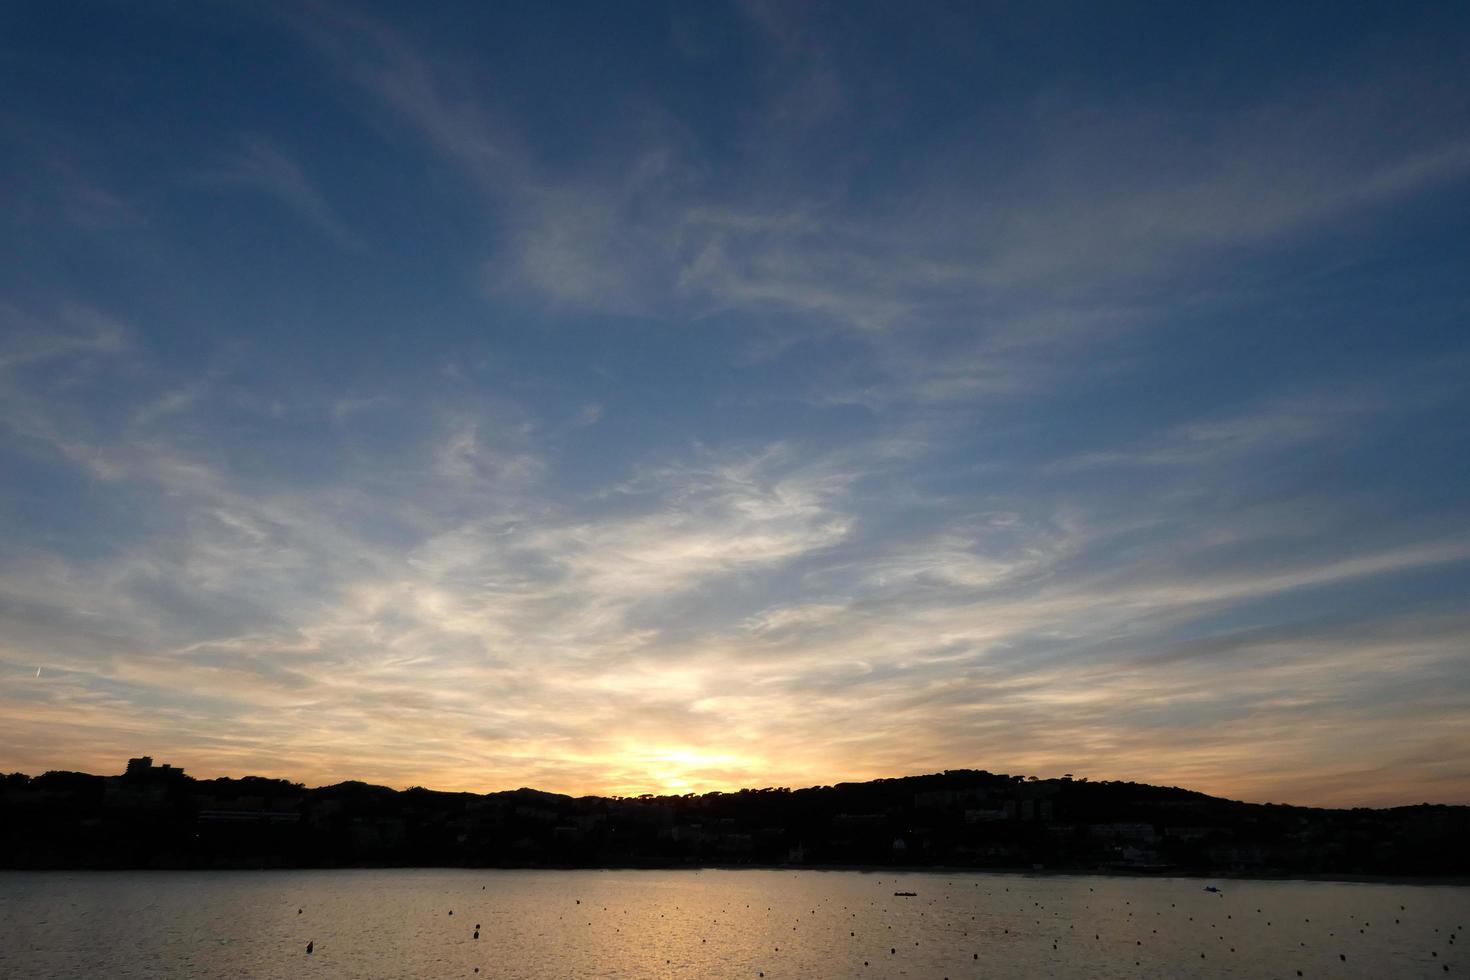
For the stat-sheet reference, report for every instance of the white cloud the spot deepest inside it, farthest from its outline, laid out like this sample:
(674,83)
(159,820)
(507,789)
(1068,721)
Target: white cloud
(1103,200)
(434,592)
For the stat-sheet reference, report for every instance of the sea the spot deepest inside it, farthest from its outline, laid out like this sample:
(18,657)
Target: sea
(439,923)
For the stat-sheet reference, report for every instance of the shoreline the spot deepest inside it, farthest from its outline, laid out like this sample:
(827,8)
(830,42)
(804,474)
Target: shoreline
(1451,881)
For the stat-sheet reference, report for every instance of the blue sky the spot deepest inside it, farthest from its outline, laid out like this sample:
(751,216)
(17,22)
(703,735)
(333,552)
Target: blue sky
(674,397)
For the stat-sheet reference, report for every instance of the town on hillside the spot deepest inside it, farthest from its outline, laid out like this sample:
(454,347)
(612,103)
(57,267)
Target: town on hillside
(157,816)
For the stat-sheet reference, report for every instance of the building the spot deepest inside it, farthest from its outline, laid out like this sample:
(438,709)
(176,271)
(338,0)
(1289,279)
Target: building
(142,768)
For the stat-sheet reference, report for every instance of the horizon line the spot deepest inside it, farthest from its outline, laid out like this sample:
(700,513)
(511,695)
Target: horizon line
(1020,778)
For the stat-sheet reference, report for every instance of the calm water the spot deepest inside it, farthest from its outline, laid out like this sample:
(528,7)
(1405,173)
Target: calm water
(641,924)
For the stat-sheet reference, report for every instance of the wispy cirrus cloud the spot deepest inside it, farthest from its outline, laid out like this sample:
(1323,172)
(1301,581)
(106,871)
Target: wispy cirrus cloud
(746,403)
(650,226)
(258,164)
(651,636)
(75,330)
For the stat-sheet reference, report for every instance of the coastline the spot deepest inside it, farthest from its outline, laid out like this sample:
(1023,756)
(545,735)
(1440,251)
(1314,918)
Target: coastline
(1451,881)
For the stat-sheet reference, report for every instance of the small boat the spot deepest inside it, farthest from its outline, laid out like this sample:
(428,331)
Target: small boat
(905,894)
(1211,888)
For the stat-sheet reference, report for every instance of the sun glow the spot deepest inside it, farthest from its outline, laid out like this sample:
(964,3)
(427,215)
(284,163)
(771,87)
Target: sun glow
(675,770)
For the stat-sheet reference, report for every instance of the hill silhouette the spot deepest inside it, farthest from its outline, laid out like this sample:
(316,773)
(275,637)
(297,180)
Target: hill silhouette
(159,817)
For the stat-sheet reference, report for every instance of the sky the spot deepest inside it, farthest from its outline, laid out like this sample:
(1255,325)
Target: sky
(624,398)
